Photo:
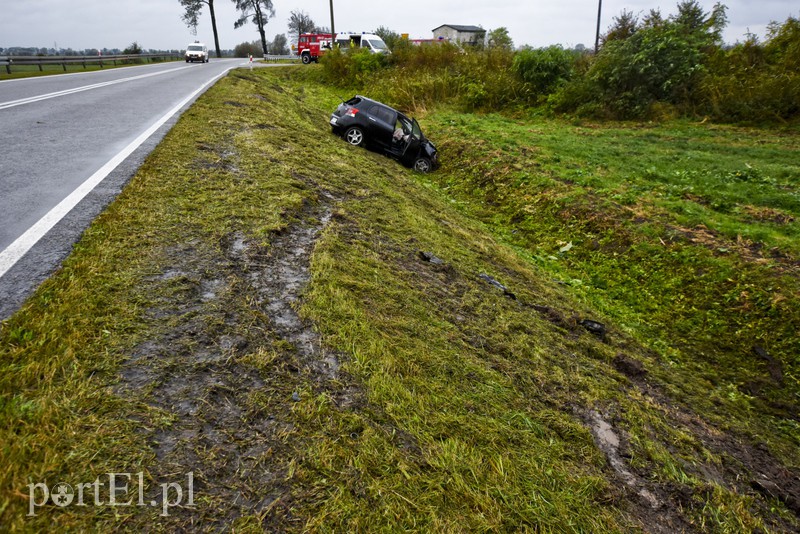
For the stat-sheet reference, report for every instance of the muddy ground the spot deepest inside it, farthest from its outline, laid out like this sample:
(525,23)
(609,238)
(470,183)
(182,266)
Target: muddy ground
(230,355)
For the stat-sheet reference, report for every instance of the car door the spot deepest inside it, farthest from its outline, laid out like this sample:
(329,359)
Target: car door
(381,125)
(414,141)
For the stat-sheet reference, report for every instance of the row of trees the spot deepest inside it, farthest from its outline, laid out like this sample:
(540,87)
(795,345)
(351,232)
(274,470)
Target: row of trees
(257,12)
(278,47)
(133,48)
(648,66)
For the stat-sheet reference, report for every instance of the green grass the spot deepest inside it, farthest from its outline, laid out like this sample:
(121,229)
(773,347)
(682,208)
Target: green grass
(30,71)
(456,408)
(686,234)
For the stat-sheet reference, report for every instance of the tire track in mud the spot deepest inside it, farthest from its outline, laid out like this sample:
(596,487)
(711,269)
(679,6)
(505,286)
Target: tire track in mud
(209,409)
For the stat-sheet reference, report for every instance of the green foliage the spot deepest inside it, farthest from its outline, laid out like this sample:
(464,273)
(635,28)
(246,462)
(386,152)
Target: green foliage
(623,26)
(278,45)
(350,66)
(499,38)
(753,82)
(133,48)
(423,75)
(642,64)
(544,69)
(650,68)
(247,49)
(391,38)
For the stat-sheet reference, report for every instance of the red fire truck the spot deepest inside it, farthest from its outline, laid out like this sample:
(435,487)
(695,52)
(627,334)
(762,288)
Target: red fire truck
(312,45)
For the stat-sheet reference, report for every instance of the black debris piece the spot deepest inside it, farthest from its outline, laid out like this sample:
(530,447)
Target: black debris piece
(598,329)
(430,258)
(498,285)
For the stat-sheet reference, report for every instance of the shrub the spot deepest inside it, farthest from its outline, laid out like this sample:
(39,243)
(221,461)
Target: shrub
(756,83)
(247,49)
(544,69)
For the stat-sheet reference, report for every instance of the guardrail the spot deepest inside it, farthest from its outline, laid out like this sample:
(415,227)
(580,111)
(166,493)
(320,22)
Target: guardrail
(269,57)
(10,61)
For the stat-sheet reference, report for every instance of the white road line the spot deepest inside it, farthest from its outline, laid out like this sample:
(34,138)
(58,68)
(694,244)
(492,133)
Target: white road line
(32,99)
(26,241)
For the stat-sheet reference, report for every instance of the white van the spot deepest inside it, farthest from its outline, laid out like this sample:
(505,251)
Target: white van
(362,40)
(196,51)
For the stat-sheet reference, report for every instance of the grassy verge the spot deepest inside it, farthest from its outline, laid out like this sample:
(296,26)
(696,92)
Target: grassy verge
(30,71)
(454,405)
(686,235)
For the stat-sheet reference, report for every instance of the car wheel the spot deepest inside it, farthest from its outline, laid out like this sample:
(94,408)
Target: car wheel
(354,136)
(422,165)
(306,58)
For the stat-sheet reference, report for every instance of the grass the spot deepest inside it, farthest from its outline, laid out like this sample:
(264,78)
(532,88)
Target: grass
(456,407)
(30,71)
(686,235)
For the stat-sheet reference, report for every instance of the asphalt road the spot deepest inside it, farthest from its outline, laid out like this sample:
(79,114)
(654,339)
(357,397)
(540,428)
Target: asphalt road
(68,144)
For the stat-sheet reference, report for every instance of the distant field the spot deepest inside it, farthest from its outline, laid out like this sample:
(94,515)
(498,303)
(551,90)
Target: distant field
(569,327)
(28,71)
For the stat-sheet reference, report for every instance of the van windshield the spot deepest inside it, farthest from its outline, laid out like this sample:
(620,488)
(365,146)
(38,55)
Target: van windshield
(377,44)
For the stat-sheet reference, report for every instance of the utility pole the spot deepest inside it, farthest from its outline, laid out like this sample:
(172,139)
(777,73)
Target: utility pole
(333,30)
(596,35)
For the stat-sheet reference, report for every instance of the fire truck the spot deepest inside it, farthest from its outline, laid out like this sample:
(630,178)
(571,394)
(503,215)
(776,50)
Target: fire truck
(312,45)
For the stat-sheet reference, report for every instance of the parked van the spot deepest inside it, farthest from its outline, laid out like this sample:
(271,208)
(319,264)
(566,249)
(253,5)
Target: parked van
(362,40)
(196,51)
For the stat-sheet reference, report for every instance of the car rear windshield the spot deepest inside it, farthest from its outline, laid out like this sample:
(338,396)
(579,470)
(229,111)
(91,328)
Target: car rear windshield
(356,100)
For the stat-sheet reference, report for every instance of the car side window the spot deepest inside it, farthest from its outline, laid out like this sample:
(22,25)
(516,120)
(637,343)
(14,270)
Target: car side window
(384,114)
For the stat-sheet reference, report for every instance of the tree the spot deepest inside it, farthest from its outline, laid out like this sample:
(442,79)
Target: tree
(499,38)
(300,22)
(133,48)
(623,27)
(659,61)
(247,49)
(258,12)
(278,46)
(389,37)
(191,14)
(544,69)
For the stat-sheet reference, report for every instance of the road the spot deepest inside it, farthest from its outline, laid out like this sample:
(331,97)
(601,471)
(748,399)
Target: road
(68,144)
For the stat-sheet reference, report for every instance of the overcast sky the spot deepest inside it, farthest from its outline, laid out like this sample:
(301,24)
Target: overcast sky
(81,24)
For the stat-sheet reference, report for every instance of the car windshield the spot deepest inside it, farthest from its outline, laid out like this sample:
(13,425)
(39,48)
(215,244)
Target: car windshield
(377,44)
(195,48)
(416,131)
(405,123)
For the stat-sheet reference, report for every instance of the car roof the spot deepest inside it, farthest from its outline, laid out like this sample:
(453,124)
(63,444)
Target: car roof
(371,101)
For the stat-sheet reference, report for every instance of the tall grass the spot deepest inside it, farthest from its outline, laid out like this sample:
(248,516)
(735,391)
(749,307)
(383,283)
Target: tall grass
(658,71)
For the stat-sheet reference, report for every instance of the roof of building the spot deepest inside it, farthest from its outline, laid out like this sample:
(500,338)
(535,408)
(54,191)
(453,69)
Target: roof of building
(460,28)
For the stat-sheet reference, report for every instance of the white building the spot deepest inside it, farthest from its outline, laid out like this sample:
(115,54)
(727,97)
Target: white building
(459,34)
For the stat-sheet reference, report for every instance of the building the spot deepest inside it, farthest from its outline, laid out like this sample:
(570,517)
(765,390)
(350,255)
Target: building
(459,34)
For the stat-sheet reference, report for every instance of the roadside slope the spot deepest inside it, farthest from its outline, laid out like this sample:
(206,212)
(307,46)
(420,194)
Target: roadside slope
(322,340)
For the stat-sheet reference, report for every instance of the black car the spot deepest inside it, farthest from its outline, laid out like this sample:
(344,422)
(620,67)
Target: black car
(365,122)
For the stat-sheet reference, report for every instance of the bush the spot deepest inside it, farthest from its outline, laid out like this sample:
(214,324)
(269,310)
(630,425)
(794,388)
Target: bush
(350,66)
(247,49)
(544,69)
(756,83)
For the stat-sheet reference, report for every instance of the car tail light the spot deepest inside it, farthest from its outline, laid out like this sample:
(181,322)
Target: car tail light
(352,112)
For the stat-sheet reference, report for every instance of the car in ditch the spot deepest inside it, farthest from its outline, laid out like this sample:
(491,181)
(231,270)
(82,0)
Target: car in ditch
(362,121)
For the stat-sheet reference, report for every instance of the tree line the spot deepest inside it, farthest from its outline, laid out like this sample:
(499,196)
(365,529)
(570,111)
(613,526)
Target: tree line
(647,67)
(256,12)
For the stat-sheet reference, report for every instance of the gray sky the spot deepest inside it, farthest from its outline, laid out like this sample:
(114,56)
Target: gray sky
(80,24)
